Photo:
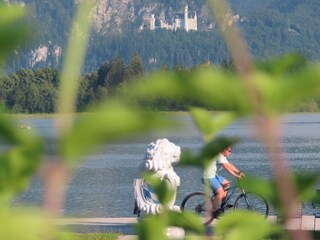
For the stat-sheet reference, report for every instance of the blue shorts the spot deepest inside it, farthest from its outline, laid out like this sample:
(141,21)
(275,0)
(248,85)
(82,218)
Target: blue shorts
(215,182)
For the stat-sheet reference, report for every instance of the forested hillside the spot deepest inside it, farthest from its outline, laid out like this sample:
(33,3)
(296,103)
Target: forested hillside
(120,28)
(285,26)
(35,91)
(159,48)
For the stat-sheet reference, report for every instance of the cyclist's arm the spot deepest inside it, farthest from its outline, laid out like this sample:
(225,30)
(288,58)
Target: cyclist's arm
(231,169)
(237,171)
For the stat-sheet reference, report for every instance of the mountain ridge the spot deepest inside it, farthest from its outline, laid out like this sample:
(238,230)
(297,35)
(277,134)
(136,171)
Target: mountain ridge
(286,23)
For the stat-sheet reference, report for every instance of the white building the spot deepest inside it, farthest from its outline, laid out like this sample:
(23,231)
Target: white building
(152,22)
(186,20)
(163,24)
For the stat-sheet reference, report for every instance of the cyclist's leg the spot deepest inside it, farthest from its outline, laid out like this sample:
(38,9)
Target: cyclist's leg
(225,184)
(216,203)
(218,191)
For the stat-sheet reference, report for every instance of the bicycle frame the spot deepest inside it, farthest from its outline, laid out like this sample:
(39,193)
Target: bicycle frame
(230,190)
(242,194)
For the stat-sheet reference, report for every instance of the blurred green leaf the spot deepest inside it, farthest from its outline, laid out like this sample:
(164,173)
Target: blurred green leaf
(245,225)
(275,93)
(189,221)
(109,122)
(316,198)
(300,86)
(13,30)
(16,170)
(68,236)
(20,157)
(209,87)
(152,227)
(10,133)
(306,184)
(207,153)
(263,187)
(27,225)
(66,102)
(283,65)
(161,188)
(209,126)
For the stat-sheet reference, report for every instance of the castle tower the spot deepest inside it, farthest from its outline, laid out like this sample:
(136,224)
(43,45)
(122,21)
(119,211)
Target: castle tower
(152,22)
(186,18)
(195,22)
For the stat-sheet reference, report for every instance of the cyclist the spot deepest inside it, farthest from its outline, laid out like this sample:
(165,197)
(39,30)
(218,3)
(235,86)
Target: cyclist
(216,182)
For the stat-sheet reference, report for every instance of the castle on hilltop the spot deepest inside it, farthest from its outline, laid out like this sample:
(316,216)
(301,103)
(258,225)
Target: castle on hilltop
(187,21)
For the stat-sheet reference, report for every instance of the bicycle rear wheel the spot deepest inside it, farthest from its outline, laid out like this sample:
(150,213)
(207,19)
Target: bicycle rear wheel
(198,203)
(253,202)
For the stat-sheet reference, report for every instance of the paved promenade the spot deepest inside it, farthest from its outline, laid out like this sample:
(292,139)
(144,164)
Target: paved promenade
(125,225)
(85,225)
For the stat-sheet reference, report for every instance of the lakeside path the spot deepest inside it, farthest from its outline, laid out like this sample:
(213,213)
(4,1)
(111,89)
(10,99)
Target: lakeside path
(85,225)
(125,226)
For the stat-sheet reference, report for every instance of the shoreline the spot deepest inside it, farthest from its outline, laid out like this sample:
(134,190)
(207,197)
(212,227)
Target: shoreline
(127,225)
(53,115)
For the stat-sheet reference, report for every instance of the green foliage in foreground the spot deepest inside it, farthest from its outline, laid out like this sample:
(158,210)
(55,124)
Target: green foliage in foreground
(266,93)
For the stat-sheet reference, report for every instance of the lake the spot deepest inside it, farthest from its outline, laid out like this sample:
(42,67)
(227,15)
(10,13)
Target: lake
(101,185)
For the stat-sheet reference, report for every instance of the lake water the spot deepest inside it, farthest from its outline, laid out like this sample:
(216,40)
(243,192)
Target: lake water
(102,185)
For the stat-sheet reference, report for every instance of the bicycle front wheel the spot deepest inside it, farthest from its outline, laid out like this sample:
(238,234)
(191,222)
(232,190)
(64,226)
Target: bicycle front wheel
(252,202)
(200,204)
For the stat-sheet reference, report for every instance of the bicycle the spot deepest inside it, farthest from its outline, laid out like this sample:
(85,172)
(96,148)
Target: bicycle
(200,204)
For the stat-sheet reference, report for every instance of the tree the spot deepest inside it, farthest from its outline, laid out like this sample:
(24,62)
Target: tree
(134,68)
(102,74)
(87,93)
(117,73)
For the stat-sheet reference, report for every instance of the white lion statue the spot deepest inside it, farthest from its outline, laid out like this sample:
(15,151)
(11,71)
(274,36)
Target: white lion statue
(158,160)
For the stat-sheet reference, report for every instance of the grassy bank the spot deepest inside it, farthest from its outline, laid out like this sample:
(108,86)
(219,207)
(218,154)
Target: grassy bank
(90,236)
(316,235)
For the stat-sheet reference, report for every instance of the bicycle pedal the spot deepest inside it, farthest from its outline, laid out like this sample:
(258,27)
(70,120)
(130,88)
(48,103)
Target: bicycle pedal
(229,206)
(217,213)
